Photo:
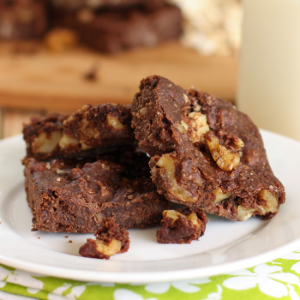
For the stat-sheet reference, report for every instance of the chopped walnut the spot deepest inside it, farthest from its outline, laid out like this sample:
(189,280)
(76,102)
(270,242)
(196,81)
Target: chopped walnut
(114,122)
(220,195)
(111,249)
(66,141)
(167,163)
(272,202)
(244,213)
(199,126)
(186,98)
(46,144)
(226,159)
(143,111)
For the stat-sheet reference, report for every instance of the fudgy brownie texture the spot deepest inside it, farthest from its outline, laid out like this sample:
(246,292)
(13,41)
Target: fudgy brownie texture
(22,19)
(97,4)
(204,153)
(110,240)
(112,31)
(78,196)
(90,131)
(181,226)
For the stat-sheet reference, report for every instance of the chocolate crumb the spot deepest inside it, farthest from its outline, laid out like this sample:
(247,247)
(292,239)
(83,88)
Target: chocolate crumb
(70,241)
(66,236)
(91,75)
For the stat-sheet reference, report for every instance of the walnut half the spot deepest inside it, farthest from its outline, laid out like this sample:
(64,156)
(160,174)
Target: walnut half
(46,143)
(226,159)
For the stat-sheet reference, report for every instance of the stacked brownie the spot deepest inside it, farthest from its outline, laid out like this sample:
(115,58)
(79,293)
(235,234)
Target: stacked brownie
(90,171)
(22,19)
(84,168)
(112,26)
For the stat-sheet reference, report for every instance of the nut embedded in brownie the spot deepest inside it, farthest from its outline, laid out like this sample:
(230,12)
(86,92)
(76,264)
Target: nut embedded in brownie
(110,240)
(89,132)
(204,153)
(21,19)
(181,226)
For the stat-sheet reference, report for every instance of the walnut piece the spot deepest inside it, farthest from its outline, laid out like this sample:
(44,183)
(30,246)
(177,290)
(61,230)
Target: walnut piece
(60,40)
(167,163)
(173,214)
(199,126)
(226,159)
(114,122)
(88,130)
(220,195)
(46,144)
(111,249)
(143,111)
(244,214)
(66,141)
(183,127)
(272,202)
(186,98)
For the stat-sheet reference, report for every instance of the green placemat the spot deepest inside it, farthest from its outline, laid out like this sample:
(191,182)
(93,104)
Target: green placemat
(278,279)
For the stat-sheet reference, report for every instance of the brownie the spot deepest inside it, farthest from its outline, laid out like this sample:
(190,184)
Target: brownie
(110,240)
(78,196)
(100,4)
(205,154)
(89,132)
(22,19)
(181,226)
(113,31)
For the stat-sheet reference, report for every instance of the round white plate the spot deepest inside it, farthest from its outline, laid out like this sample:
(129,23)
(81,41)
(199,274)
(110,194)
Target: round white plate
(226,246)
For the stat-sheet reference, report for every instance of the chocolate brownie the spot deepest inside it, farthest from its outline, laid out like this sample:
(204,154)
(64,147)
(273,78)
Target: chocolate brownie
(77,196)
(205,154)
(112,31)
(181,226)
(100,4)
(110,240)
(22,19)
(89,132)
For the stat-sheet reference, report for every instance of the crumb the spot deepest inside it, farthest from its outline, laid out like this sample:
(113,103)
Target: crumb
(39,237)
(91,75)
(66,236)
(70,241)
(34,229)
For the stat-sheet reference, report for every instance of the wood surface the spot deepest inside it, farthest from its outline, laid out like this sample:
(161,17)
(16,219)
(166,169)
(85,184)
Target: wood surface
(41,80)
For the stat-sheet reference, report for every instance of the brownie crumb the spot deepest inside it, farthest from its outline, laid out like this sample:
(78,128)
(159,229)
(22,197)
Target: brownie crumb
(110,240)
(92,74)
(181,226)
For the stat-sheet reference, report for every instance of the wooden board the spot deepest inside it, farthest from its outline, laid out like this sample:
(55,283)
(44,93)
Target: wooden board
(55,82)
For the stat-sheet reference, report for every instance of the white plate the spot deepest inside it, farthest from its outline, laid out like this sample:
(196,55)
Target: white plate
(225,247)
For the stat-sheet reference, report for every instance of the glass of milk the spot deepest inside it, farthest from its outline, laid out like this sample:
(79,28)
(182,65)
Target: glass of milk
(269,73)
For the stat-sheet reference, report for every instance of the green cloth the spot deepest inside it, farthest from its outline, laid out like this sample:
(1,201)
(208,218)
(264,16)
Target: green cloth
(278,279)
